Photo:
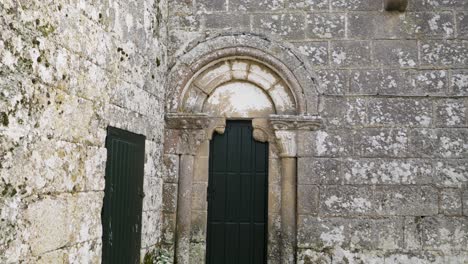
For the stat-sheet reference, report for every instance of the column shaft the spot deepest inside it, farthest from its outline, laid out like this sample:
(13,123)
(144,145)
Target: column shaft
(288,209)
(184,209)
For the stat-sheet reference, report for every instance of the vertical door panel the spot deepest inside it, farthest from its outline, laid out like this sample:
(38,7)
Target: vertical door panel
(237,204)
(123,199)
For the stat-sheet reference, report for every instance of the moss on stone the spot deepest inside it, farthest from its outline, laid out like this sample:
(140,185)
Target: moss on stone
(157,256)
(4,119)
(46,29)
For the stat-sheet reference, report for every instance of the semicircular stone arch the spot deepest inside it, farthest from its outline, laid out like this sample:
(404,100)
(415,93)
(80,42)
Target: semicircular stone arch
(236,77)
(239,88)
(278,60)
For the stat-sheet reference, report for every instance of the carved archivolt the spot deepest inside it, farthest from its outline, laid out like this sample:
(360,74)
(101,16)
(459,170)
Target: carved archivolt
(238,87)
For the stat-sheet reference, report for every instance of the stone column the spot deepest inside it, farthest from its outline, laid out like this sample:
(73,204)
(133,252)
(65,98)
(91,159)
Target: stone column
(285,130)
(188,132)
(184,209)
(288,209)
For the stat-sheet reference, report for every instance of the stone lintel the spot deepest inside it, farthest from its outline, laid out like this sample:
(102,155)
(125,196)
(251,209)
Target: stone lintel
(285,129)
(192,121)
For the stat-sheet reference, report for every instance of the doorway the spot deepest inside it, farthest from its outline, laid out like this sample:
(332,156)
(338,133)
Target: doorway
(123,198)
(237,197)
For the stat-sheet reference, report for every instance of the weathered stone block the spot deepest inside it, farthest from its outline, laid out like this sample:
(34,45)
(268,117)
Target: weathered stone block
(439,143)
(325,26)
(199,196)
(337,234)
(387,171)
(333,82)
(199,221)
(448,234)
(211,5)
(249,5)
(389,233)
(289,26)
(318,171)
(201,170)
(150,228)
(412,233)
(359,5)
(428,25)
(381,142)
(274,234)
(450,173)
(401,26)
(197,252)
(168,228)
(171,168)
(316,52)
(169,197)
(59,256)
(406,200)
(422,257)
(89,251)
(307,199)
(274,171)
(226,21)
(396,53)
(429,82)
(451,202)
(185,21)
(465,202)
(459,82)
(443,53)
(341,112)
(346,201)
(326,144)
(311,256)
(44,236)
(350,53)
(361,26)
(462,24)
(451,113)
(308,5)
(400,112)
(371,82)
(437,5)
(274,198)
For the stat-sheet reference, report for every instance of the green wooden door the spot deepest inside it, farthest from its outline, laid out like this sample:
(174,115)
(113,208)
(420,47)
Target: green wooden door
(123,197)
(237,197)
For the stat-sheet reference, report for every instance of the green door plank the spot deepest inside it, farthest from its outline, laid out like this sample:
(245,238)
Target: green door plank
(237,197)
(123,199)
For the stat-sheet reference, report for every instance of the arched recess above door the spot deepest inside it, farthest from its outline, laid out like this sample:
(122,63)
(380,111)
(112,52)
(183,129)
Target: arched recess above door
(224,56)
(239,88)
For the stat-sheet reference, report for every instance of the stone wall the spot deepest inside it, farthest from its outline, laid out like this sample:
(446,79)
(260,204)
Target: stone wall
(68,69)
(386,178)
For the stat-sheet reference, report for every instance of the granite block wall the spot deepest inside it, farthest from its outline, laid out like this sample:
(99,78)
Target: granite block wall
(68,69)
(385,180)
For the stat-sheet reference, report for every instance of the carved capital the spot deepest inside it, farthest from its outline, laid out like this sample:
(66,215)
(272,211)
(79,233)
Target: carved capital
(262,131)
(185,132)
(285,130)
(396,5)
(216,125)
(290,122)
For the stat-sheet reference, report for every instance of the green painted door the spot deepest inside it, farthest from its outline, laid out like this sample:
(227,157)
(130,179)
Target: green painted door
(237,197)
(123,197)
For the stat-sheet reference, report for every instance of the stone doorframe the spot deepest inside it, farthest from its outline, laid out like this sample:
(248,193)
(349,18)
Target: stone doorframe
(190,126)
